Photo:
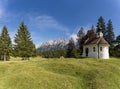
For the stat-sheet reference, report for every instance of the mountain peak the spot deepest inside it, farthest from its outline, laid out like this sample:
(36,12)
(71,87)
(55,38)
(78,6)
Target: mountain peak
(53,45)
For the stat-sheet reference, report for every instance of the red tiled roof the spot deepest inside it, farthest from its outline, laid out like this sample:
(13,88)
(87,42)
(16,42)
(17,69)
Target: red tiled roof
(96,40)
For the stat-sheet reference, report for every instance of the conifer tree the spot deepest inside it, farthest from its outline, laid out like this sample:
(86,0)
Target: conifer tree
(80,39)
(81,33)
(118,39)
(5,44)
(71,50)
(110,33)
(101,26)
(117,47)
(23,43)
(90,33)
(93,28)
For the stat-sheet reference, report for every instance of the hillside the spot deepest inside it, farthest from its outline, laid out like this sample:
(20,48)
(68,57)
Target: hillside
(39,73)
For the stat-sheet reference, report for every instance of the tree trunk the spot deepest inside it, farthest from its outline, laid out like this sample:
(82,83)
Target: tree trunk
(4,57)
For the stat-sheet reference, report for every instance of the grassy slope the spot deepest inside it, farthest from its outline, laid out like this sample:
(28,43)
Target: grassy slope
(41,73)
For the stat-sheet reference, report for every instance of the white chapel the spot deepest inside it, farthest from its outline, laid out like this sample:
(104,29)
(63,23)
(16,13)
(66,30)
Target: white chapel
(96,47)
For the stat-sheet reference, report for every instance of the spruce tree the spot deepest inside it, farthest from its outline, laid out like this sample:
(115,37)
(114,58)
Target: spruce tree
(80,39)
(90,33)
(5,44)
(93,28)
(71,50)
(118,39)
(101,26)
(117,47)
(81,33)
(110,33)
(24,46)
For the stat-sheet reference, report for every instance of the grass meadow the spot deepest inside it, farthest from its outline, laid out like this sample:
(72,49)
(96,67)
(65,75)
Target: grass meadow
(55,73)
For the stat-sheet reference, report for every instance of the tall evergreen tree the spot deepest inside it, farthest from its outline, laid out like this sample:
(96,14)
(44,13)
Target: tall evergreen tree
(23,43)
(110,37)
(118,39)
(71,50)
(80,39)
(81,33)
(5,44)
(110,33)
(93,28)
(117,47)
(90,33)
(101,26)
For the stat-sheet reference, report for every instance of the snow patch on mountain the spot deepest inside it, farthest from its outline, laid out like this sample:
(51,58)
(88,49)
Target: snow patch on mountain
(53,45)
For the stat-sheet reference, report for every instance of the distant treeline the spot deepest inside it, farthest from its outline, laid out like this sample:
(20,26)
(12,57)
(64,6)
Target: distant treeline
(57,54)
(53,54)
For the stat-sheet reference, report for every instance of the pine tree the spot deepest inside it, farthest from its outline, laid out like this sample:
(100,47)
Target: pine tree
(81,33)
(90,33)
(101,26)
(71,50)
(117,47)
(117,51)
(92,28)
(24,46)
(80,39)
(118,39)
(5,44)
(110,34)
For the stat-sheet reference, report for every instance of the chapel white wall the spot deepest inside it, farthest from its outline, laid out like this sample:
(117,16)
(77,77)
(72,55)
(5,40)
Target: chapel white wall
(104,54)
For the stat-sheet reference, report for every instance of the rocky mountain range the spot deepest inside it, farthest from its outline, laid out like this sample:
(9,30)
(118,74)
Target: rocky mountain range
(53,45)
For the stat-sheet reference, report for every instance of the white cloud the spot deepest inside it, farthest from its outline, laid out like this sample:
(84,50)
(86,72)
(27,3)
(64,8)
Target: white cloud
(5,14)
(45,22)
(86,28)
(2,8)
(74,37)
(12,35)
(1,12)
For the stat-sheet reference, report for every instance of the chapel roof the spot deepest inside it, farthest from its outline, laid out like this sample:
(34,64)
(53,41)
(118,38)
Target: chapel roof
(96,40)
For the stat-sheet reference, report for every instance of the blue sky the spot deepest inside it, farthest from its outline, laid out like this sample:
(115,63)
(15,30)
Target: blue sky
(54,19)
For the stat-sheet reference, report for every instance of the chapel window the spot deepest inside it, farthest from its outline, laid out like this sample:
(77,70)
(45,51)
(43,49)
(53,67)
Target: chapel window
(93,49)
(100,48)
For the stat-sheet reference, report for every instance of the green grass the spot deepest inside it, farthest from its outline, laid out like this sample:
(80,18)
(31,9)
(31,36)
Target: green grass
(41,73)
